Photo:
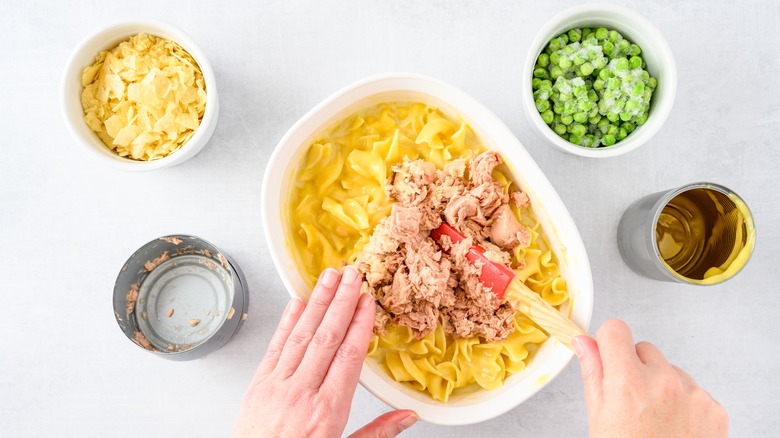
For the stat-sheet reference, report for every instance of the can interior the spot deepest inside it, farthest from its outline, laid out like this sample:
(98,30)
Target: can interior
(174,293)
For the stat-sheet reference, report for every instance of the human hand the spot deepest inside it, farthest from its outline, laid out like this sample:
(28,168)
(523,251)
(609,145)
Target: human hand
(632,390)
(305,383)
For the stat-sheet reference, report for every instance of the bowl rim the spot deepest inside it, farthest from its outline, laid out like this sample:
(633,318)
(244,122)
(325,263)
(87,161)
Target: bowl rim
(72,72)
(558,355)
(659,114)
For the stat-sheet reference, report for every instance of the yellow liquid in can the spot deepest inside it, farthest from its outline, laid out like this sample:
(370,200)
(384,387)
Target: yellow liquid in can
(705,236)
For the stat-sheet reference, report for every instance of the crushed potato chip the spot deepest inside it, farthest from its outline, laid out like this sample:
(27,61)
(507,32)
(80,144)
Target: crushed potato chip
(144,98)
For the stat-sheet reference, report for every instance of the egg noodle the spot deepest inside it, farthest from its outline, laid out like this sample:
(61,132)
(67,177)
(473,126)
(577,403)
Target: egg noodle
(338,197)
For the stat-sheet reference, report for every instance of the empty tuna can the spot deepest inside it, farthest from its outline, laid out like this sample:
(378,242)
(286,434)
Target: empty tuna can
(180,297)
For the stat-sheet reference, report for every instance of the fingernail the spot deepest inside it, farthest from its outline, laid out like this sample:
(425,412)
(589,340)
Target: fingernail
(329,277)
(349,276)
(579,347)
(365,300)
(408,421)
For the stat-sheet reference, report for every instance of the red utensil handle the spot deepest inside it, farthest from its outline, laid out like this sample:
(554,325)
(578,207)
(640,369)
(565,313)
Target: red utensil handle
(494,275)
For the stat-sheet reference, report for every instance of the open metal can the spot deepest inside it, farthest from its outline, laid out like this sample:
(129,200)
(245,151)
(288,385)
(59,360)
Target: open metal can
(701,234)
(180,297)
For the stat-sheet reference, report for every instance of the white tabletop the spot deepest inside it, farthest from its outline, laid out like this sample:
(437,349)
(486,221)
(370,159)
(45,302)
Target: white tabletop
(67,223)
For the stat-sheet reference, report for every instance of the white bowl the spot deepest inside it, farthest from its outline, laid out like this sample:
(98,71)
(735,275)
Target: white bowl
(655,50)
(105,39)
(558,225)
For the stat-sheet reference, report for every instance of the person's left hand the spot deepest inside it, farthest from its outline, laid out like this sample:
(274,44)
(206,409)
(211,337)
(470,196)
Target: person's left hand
(305,383)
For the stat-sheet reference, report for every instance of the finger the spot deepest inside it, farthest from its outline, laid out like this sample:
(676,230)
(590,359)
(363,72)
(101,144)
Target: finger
(616,346)
(330,334)
(387,425)
(651,356)
(344,372)
(592,372)
(685,377)
(301,335)
(290,317)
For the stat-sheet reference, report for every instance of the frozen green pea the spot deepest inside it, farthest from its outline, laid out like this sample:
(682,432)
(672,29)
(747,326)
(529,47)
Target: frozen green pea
(593,96)
(535,82)
(645,75)
(652,83)
(628,126)
(589,141)
(556,72)
(621,64)
(579,130)
(574,35)
(608,140)
(543,60)
(625,116)
(638,90)
(599,84)
(592,55)
(585,105)
(618,106)
(565,97)
(641,119)
(635,62)
(545,85)
(560,129)
(632,105)
(602,33)
(580,117)
(540,73)
(613,117)
(564,62)
(601,62)
(621,134)
(594,111)
(614,36)
(612,130)
(542,105)
(594,119)
(566,120)
(635,50)
(605,74)
(625,47)
(547,115)
(613,83)
(568,50)
(553,58)
(578,60)
(576,139)
(586,32)
(586,69)
(603,125)
(608,47)
(558,108)
(564,38)
(648,94)
(555,44)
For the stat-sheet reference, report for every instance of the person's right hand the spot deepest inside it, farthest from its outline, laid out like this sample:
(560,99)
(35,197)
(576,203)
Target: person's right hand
(632,391)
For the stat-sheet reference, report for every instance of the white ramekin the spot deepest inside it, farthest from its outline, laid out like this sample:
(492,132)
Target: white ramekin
(655,50)
(105,39)
(558,225)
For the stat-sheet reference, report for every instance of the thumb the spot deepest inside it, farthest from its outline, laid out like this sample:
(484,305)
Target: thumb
(592,371)
(387,425)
